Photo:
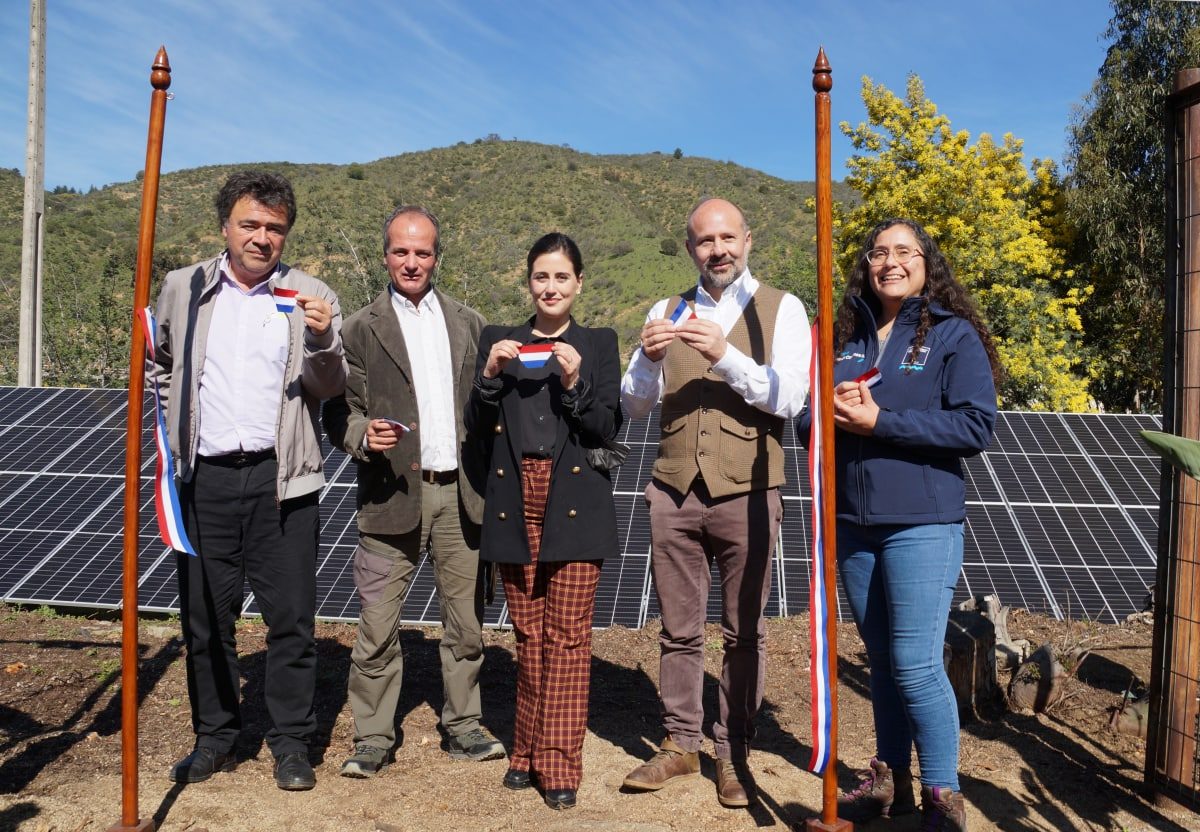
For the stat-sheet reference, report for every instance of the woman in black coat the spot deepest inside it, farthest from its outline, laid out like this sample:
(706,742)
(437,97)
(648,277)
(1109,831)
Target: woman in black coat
(547,391)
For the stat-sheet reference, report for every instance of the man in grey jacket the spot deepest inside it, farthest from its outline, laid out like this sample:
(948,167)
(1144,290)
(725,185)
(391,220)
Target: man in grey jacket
(246,348)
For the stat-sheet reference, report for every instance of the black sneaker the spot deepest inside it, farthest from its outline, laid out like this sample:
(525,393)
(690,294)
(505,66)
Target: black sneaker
(477,744)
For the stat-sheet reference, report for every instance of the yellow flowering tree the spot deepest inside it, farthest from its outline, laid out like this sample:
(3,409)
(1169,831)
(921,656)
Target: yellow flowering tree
(999,223)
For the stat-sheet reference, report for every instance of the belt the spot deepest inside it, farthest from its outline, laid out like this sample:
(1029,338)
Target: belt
(440,477)
(239,459)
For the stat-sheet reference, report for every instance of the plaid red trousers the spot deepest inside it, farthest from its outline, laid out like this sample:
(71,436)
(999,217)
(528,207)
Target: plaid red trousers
(551,607)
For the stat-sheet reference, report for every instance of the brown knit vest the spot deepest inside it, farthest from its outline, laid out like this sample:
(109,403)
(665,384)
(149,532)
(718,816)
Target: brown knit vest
(707,428)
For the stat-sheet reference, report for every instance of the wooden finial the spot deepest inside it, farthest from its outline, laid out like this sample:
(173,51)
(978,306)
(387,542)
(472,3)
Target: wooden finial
(822,74)
(160,72)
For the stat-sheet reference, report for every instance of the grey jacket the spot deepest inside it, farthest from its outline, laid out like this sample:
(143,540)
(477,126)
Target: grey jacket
(380,384)
(315,370)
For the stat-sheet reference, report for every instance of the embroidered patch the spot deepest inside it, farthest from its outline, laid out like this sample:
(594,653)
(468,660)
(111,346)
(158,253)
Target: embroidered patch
(851,356)
(908,364)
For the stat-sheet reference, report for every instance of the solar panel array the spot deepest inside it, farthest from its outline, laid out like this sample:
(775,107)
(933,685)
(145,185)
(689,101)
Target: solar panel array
(1062,517)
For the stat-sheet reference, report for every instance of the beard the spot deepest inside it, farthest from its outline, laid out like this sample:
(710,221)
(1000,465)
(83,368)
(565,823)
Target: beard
(719,281)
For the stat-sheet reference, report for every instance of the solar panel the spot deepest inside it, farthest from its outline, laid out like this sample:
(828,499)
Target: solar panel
(1062,518)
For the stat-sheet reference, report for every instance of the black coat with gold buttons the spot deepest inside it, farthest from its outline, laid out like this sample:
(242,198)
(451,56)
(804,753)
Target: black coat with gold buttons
(581,521)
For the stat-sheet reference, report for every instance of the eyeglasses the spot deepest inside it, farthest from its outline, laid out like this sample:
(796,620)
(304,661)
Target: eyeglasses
(902,255)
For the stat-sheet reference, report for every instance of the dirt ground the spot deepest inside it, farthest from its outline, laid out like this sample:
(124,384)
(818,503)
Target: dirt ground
(60,740)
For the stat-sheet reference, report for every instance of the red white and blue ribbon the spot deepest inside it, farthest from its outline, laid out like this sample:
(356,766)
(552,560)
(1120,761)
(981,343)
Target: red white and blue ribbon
(871,377)
(682,314)
(822,703)
(285,299)
(166,498)
(534,356)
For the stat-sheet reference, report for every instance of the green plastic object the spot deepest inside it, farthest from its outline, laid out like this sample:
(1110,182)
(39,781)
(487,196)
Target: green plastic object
(1183,453)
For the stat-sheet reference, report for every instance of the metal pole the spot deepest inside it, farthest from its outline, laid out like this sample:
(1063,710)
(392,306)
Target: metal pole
(29,345)
(160,79)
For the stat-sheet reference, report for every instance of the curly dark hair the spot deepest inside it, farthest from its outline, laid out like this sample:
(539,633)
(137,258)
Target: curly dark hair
(940,285)
(270,189)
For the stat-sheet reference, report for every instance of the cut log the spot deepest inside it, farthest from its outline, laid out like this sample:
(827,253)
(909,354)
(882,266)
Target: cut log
(970,658)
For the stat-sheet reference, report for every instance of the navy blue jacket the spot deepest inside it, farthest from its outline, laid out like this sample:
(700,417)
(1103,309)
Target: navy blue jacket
(934,410)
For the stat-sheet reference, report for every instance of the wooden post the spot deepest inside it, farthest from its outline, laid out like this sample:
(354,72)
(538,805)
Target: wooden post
(822,84)
(160,80)
(1173,726)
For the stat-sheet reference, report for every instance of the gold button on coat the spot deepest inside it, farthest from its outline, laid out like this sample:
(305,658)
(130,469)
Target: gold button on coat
(416,466)
(499,429)
(571,513)
(575,469)
(499,472)
(502,516)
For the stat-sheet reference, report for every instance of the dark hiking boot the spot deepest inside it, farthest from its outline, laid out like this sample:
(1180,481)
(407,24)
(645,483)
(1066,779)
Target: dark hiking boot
(942,810)
(881,792)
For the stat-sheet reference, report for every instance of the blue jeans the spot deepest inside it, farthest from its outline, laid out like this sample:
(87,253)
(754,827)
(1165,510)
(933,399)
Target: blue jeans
(899,581)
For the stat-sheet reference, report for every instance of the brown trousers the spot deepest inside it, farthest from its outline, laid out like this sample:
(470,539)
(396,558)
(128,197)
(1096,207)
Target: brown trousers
(688,532)
(551,607)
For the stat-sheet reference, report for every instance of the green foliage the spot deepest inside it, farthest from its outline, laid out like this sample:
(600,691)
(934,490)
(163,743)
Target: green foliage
(678,154)
(494,199)
(668,246)
(998,225)
(1117,169)
(356,172)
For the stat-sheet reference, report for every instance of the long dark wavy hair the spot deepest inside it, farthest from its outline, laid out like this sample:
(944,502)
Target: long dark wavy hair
(940,285)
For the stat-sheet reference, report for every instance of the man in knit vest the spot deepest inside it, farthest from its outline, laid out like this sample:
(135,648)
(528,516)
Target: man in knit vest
(729,360)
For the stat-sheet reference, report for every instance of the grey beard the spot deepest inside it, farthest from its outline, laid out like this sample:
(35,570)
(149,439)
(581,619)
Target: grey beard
(712,281)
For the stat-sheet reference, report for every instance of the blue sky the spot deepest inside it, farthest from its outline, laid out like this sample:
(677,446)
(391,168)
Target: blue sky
(315,81)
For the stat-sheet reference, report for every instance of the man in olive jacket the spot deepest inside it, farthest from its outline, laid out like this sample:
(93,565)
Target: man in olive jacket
(411,354)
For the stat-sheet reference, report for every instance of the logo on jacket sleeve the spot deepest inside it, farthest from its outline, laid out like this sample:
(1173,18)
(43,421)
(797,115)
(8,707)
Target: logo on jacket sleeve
(909,363)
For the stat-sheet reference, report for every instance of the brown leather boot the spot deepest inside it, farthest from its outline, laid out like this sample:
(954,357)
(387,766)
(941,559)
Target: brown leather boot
(881,792)
(671,763)
(942,810)
(735,784)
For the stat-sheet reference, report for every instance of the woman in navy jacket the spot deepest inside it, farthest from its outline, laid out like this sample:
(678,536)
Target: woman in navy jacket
(545,393)
(900,443)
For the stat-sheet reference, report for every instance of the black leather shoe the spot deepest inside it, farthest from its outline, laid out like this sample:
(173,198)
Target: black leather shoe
(201,764)
(560,798)
(293,772)
(514,779)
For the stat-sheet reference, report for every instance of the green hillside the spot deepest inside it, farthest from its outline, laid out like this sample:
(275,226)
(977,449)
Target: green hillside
(494,199)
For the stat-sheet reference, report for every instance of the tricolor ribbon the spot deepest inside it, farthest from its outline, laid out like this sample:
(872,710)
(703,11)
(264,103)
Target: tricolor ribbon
(166,498)
(285,299)
(682,314)
(822,707)
(871,377)
(534,356)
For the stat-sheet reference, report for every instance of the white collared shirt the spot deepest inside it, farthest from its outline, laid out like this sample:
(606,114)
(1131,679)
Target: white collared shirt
(780,386)
(241,383)
(428,343)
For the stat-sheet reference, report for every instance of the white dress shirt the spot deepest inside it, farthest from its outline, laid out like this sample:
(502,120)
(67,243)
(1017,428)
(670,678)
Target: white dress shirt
(241,383)
(428,343)
(780,386)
